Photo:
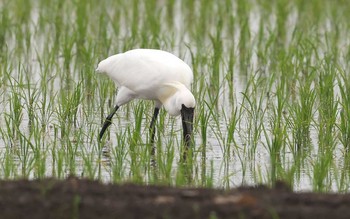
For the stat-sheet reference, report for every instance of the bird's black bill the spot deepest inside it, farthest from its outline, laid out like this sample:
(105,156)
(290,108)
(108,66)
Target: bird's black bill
(108,121)
(187,125)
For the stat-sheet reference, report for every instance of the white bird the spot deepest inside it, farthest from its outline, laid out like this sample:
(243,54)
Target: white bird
(152,75)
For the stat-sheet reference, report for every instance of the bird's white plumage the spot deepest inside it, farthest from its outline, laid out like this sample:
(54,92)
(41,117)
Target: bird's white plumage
(150,74)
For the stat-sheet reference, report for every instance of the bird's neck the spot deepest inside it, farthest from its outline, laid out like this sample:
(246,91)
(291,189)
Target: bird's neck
(170,105)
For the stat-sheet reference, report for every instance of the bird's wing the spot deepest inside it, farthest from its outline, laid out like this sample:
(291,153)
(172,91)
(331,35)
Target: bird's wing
(141,70)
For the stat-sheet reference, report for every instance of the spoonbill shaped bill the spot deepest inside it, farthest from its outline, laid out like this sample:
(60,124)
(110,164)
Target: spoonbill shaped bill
(152,75)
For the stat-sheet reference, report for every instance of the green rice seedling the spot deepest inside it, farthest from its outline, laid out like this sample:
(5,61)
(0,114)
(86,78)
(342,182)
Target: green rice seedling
(61,163)
(119,157)
(204,117)
(302,116)
(208,177)
(322,180)
(67,117)
(204,11)
(216,59)
(15,116)
(8,165)
(184,173)
(198,84)
(328,106)
(232,123)
(227,174)
(70,155)
(341,176)
(163,158)
(241,156)
(164,165)
(253,104)
(302,107)
(244,36)
(39,150)
(58,22)
(4,28)
(278,133)
(87,75)
(344,126)
(54,154)
(170,12)
(90,169)
(82,19)
(151,27)
(230,75)
(327,118)
(45,88)
(68,108)
(67,53)
(25,155)
(31,96)
(138,150)
(282,12)
(104,42)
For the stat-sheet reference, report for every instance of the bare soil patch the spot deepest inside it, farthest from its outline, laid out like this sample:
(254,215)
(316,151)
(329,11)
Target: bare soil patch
(80,198)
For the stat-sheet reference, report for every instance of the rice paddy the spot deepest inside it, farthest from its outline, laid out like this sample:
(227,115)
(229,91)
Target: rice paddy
(271,84)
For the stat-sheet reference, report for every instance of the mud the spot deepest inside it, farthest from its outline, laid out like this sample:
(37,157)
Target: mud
(80,198)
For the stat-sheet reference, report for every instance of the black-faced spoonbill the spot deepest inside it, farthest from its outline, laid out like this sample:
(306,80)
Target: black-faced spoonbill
(152,75)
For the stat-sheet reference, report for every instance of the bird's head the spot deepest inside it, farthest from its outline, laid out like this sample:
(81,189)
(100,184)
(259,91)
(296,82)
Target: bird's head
(101,66)
(186,99)
(175,96)
(179,100)
(106,65)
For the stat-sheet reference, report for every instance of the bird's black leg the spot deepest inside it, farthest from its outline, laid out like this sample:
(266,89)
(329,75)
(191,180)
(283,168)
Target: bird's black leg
(153,129)
(108,121)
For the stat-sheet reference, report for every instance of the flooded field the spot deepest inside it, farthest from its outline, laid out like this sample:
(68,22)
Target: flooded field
(271,85)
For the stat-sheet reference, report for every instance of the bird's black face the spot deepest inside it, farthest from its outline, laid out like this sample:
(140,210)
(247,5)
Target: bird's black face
(187,124)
